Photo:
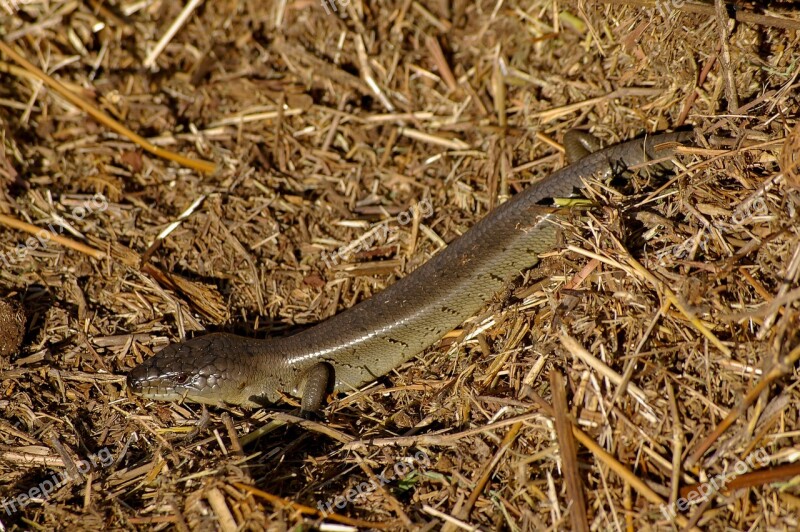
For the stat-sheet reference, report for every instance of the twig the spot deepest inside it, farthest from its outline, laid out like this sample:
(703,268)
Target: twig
(637,268)
(775,373)
(580,353)
(448,519)
(616,466)
(199,165)
(453,144)
(639,485)
(223,514)
(281,418)
(47,235)
(549,115)
(171,227)
(741,15)
(437,439)
(280,502)
(177,24)
(751,479)
(435,49)
(725,55)
(568,453)
(488,469)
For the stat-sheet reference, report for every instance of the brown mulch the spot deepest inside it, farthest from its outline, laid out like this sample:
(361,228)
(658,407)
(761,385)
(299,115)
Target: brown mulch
(668,320)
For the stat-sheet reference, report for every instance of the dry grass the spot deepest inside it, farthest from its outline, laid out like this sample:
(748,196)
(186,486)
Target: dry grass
(672,308)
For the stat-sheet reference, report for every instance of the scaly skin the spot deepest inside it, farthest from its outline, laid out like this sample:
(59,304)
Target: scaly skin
(379,334)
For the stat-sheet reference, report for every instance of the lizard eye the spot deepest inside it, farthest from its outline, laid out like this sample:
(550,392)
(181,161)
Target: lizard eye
(180,378)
